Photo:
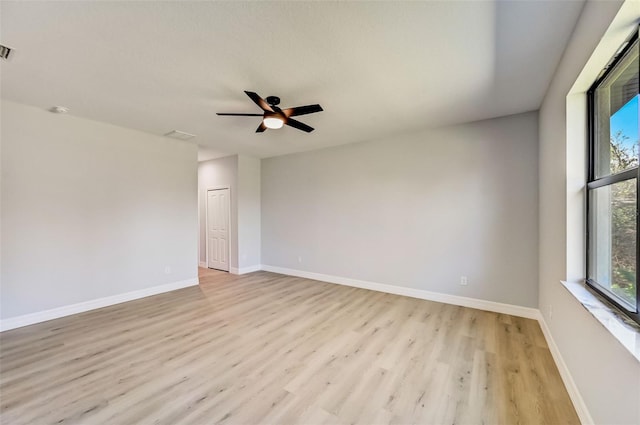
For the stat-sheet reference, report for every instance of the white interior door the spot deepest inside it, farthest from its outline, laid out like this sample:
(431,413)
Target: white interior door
(218,229)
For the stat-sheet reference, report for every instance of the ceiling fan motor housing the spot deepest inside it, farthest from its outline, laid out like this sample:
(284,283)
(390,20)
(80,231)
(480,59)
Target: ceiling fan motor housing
(273,100)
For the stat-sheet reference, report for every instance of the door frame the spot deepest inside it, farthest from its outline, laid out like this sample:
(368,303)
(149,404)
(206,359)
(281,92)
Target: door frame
(206,224)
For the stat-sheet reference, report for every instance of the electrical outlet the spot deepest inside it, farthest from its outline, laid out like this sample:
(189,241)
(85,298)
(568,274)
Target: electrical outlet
(299,259)
(463,280)
(167,270)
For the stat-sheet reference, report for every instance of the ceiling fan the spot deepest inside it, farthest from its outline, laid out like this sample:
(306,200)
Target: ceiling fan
(274,117)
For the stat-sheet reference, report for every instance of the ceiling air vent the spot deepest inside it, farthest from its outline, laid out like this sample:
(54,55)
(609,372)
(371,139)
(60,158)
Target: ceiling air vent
(4,52)
(180,135)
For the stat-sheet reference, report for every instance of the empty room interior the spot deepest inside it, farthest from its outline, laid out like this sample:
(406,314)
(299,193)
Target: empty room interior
(305,212)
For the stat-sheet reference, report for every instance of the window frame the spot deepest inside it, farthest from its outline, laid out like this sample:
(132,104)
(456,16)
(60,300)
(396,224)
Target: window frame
(609,180)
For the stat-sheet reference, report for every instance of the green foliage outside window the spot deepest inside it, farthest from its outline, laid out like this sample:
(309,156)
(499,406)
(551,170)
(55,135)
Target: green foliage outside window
(623,157)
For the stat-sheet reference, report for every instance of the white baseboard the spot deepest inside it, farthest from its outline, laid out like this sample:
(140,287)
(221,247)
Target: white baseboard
(202,264)
(250,269)
(43,316)
(515,310)
(244,270)
(572,389)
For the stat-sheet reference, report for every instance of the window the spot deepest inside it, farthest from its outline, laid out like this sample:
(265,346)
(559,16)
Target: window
(612,186)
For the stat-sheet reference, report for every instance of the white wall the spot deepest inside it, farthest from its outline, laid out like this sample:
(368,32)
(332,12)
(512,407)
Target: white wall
(216,174)
(417,211)
(606,374)
(90,210)
(248,213)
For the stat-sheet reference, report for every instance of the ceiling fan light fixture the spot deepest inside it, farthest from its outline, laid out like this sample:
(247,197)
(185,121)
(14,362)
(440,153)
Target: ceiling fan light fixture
(274,117)
(273,122)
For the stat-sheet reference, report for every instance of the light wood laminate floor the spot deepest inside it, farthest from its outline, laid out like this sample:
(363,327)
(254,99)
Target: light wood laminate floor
(272,349)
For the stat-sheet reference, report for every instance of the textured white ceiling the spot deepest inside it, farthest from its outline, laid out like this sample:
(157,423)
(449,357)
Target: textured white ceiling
(377,68)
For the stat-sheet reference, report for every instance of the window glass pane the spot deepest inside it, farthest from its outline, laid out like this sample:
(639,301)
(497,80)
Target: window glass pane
(616,118)
(612,239)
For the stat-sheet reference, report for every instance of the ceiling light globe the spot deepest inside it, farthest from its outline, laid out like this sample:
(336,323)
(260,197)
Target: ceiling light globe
(273,122)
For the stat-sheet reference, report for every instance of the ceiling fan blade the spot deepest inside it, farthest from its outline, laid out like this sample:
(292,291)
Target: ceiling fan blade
(299,125)
(261,127)
(259,101)
(302,110)
(239,115)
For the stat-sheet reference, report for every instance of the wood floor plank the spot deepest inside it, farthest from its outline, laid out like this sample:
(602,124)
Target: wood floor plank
(272,349)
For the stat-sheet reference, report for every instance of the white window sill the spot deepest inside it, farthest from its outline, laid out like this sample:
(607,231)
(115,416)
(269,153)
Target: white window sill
(620,326)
